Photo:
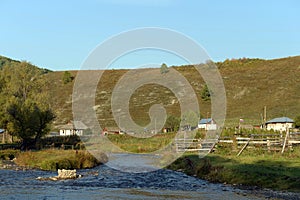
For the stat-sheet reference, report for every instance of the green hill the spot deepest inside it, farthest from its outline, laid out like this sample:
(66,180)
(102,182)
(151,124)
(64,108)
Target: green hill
(250,85)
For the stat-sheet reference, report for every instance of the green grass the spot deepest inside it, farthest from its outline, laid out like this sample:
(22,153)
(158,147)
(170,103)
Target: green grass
(141,145)
(252,168)
(58,159)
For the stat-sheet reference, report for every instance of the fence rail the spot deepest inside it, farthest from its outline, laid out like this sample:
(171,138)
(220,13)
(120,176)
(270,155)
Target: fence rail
(269,142)
(192,145)
(9,146)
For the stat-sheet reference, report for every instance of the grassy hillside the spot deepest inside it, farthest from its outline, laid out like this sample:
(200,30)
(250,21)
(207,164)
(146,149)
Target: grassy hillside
(250,85)
(7,61)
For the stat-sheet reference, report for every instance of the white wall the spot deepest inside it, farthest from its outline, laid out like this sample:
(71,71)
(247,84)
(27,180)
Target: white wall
(208,126)
(279,126)
(70,132)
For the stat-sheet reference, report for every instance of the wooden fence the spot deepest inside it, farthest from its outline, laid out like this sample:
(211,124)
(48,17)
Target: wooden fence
(269,142)
(9,146)
(191,145)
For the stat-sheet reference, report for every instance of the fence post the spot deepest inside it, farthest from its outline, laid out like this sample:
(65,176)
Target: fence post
(285,140)
(268,144)
(234,143)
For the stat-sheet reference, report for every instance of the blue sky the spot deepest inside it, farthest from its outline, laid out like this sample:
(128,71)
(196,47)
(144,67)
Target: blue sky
(59,35)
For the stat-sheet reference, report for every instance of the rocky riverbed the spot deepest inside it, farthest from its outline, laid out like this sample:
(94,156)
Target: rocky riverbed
(141,185)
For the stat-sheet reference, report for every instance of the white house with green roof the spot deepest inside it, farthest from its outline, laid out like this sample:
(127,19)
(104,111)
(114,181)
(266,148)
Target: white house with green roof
(279,124)
(207,124)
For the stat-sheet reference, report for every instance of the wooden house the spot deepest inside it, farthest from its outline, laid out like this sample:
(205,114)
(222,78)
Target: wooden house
(72,128)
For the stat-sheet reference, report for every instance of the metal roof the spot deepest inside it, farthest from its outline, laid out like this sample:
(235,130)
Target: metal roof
(74,125)
(280,120)
(79,125)
(205,121)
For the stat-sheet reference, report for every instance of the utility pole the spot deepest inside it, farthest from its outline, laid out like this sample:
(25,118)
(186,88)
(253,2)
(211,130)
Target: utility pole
(119,124)
(206,129)
(239,128)
(3,137)
(265,117)
(262,120)
(155,126)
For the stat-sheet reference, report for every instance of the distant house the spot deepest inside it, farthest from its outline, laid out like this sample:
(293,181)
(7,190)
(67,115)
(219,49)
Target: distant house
(279,124)
(207,124)
(72,128)
(111,130)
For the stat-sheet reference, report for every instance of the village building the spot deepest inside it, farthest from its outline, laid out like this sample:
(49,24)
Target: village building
(72,128)
(111,130)
(279,124)
(208,124)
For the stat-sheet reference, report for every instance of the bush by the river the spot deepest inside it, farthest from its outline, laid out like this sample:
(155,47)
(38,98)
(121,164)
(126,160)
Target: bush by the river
(8,154)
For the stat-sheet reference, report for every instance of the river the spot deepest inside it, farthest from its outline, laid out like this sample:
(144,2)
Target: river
(118,179)
(104,182)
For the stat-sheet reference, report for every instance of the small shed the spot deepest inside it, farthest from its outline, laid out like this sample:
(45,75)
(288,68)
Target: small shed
(72,128)
(279,124)
(207,124)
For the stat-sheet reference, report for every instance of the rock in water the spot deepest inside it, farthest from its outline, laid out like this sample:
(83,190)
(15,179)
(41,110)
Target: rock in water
(62,175)
(66,174)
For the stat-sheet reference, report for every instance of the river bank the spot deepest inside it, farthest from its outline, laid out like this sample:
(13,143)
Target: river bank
(254,169)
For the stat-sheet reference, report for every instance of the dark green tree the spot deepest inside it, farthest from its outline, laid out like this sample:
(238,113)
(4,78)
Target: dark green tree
(173,123)
(28,121)
(205,93)
(297,121)
(67,77)
(164,68)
